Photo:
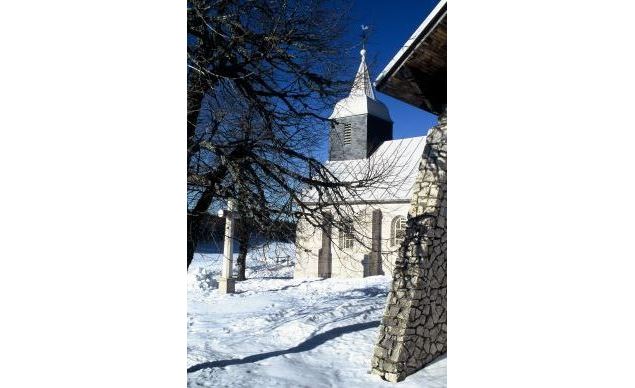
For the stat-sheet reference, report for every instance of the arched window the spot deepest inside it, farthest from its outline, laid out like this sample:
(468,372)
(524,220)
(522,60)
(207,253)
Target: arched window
(346,236)
(397,230)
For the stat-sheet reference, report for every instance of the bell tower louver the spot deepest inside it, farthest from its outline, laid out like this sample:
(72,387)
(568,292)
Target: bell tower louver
(359,122)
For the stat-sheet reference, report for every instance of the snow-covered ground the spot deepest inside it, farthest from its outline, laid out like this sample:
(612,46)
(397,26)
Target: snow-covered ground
(282,332)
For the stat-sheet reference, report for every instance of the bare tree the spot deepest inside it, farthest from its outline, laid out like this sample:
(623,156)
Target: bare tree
(262,78)
(243,238)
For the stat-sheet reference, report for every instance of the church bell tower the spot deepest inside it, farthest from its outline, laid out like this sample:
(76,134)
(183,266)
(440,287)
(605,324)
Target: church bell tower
(359,122)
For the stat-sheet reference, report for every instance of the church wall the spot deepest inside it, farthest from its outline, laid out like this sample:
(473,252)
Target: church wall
(308,242)
(348,262)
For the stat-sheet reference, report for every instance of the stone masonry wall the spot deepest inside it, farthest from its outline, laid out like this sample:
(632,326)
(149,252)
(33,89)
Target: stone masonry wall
(413,331)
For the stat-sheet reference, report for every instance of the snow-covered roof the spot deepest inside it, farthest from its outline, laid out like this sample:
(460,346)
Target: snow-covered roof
(361,99)
(395,161)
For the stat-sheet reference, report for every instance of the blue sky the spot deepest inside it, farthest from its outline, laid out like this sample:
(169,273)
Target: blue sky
(391,24)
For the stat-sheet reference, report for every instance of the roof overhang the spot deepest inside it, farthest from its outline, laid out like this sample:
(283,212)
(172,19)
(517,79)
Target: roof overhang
(417,74)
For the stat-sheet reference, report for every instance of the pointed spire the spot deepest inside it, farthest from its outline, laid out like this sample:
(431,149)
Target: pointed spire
(361,99)
(362,85)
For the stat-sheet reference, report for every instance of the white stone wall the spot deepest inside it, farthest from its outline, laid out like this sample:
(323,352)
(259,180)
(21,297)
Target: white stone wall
(348,262)
(413,330)
(309,241)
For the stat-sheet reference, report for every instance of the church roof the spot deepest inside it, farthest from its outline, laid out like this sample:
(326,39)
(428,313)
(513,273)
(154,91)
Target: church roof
(395,161)
(361,99)
(417,74)
(362,85)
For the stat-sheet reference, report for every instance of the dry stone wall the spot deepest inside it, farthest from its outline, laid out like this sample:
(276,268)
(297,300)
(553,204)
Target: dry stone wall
(413,331)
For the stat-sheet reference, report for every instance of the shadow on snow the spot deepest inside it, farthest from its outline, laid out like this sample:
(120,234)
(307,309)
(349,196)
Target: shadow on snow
(290,285)
(309,344)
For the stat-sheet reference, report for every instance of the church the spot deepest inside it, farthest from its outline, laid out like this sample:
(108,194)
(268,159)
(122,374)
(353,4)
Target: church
(361,144)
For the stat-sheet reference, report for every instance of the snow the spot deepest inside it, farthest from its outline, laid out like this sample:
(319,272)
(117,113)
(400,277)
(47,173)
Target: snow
(361,99)
(285,332)
(396,162)
(354,105)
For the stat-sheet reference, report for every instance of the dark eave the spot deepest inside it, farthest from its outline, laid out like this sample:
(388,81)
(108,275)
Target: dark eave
(417,74)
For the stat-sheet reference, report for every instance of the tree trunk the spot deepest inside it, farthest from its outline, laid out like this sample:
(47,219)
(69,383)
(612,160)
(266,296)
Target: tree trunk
(195,93)
(194,100)
(193,219)
(191,239)
(243,241)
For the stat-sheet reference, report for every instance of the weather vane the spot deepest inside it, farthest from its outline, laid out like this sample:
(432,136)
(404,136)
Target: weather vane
(364,36)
